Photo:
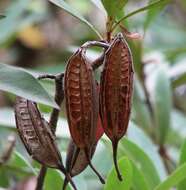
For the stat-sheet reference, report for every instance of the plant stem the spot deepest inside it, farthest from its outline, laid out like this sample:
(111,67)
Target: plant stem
(95,43)
(59,96)
(149,6)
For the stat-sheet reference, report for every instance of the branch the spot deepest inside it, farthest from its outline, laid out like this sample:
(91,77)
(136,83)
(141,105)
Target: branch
(59,96)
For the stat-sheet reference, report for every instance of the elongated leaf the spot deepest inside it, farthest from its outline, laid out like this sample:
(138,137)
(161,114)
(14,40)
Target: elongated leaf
(138,179)
(112,7)
(126,171)
(162,103)
(21,83)
(153,5)
(152,13)
(177,176)
(20,162)
(65,6)
(182,185)
(140,158)
(137,136)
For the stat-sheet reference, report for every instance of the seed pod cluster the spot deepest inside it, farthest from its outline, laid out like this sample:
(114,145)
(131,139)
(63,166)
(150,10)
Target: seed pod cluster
(36,135)
(82,103)
(88,110)
(116,92)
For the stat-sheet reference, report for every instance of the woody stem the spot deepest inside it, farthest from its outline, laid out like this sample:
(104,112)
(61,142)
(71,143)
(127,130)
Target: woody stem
(59,96)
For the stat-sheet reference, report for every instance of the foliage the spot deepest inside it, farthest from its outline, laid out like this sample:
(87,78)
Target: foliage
(152,154)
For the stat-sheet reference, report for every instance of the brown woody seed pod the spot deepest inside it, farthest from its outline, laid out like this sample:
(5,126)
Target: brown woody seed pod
(37,137)
(116,92)
(82,103)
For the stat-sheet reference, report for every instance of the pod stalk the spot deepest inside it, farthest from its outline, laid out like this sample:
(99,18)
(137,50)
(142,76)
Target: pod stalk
(92,167)
(115,147)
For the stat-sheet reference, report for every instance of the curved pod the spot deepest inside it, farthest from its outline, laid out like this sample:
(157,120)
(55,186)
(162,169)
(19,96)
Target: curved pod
(116,92)
(37,137)
(82,103)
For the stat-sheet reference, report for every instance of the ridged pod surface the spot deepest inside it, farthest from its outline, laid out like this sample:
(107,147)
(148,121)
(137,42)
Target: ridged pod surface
(36,134)
(82,103)
(116,91)
(81,100)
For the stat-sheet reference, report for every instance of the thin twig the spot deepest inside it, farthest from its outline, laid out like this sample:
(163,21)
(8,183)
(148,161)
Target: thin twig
(59,96)
(98,62)
(95,43)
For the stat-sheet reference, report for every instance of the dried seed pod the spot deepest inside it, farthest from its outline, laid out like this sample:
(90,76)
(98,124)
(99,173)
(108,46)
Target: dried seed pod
(37,136)
(116,92)
(76,161)
(81,103)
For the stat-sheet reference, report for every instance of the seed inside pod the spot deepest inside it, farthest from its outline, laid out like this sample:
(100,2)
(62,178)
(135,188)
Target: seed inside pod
(116,92)
(37,137)
(82,103)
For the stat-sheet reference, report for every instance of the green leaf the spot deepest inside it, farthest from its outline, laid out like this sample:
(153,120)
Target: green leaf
(54,180)
(112,7)
(65,6)
(162,102)
(153,5)
(19,161)
(141,159)
(138,136)
(4,182)
(126,171)
(152,13)
(182,185)
(177,176)
(138,179)
(21,83)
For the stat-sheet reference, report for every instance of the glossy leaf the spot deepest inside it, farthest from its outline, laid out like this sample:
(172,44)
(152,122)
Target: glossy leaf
(65,6)
(138,179)
(126,171)
(162,102)
(20,82)
(138,136)
(141,159)
(19,161)
(177,176)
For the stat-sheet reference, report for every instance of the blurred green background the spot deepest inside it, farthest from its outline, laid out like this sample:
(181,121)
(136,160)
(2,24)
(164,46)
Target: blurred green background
(39,36)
